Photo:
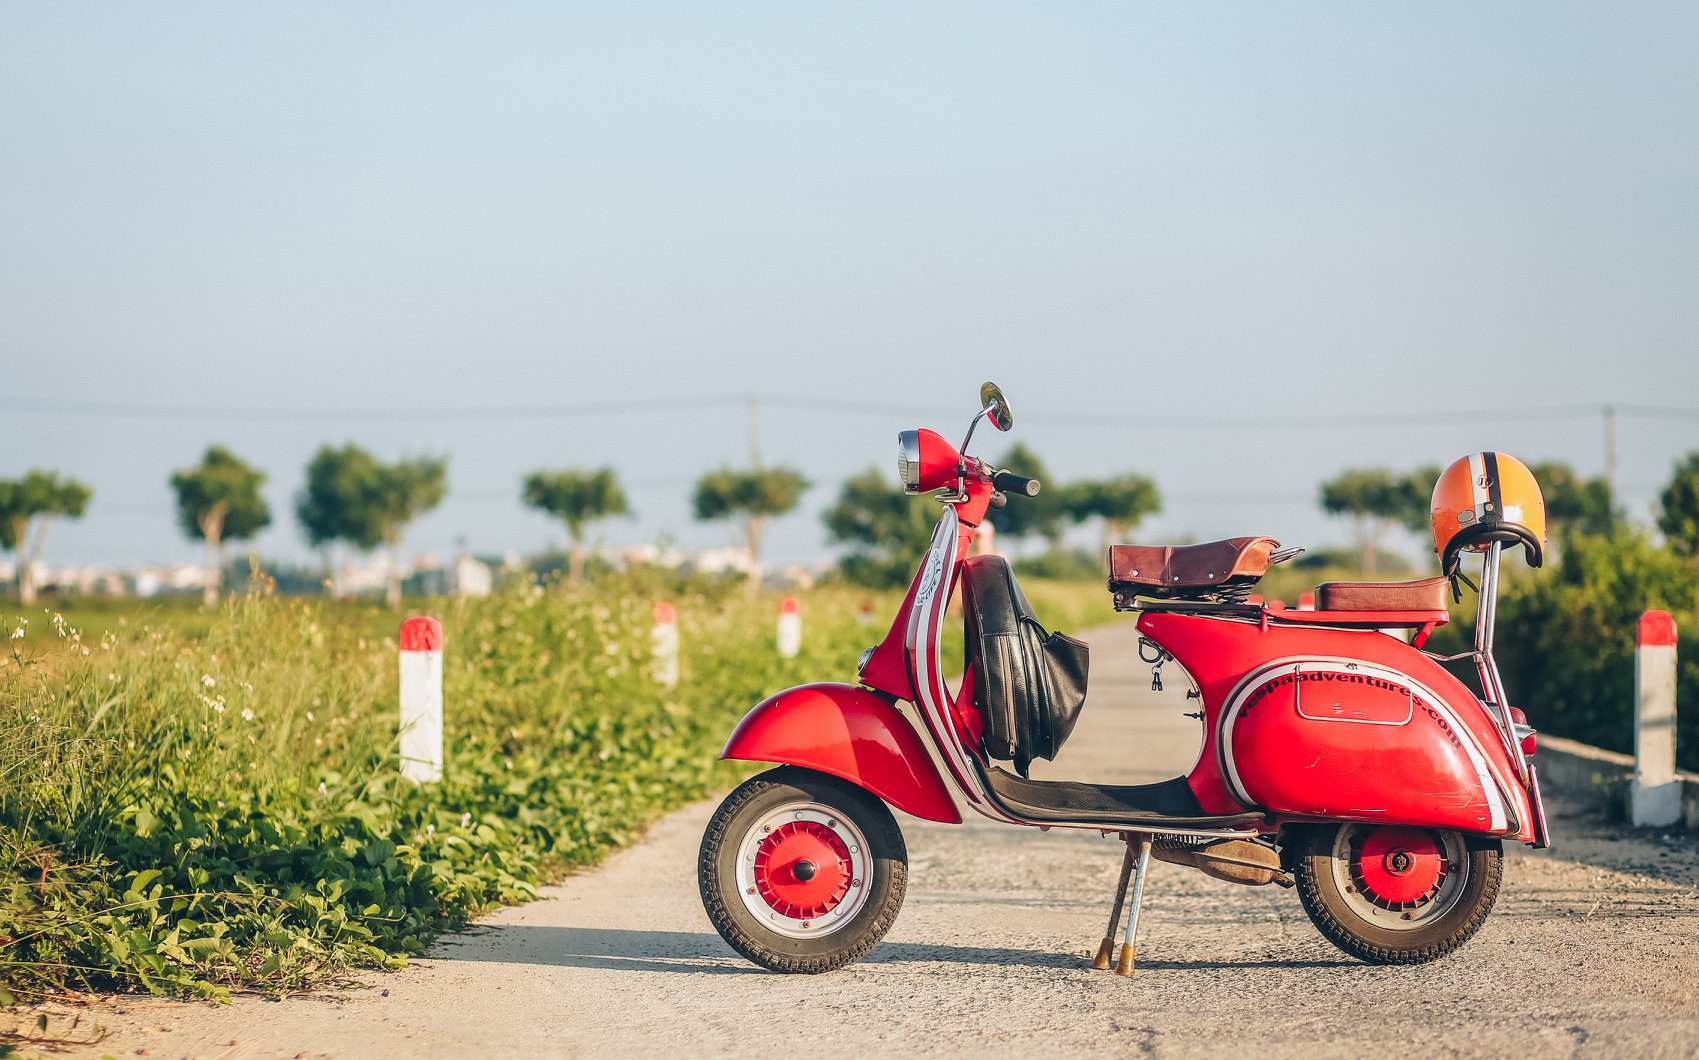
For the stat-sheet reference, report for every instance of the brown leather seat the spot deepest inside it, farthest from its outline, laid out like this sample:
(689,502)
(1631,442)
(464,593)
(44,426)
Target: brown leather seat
(1159,570)
(1425,594)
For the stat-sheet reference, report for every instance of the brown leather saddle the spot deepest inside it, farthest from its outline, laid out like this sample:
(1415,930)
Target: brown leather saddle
(1424,594)
(1219,568)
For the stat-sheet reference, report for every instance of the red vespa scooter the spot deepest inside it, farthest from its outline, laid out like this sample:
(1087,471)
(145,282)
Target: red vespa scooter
(1338,757)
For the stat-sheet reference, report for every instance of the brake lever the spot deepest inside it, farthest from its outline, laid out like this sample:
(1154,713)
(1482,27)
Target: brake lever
(998,500)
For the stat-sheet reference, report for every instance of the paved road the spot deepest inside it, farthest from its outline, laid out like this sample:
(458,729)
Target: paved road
(1593,950)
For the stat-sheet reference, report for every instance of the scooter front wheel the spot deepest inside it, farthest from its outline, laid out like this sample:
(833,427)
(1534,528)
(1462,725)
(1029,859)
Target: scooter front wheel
(1390,894)
(801,871)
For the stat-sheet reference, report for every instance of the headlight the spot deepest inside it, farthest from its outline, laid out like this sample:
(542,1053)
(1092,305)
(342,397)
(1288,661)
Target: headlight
(908,461)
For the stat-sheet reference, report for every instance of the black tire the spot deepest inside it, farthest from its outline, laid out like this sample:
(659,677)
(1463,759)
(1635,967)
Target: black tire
(1348,916)
(742,812)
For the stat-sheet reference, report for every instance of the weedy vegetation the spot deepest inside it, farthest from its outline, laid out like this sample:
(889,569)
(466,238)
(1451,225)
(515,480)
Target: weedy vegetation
(201,807)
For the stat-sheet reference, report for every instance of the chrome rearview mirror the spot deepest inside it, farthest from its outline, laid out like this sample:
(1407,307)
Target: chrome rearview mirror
(996,407)
(992,406)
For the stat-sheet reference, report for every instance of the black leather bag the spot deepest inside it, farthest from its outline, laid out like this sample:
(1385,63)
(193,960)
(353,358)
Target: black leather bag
(1029,684)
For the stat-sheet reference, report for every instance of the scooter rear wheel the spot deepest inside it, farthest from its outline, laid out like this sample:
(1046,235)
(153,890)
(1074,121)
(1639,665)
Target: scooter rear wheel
(801,871)
(1396,895)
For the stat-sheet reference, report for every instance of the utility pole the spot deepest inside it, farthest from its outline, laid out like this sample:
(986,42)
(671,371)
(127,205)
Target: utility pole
(754,411)
(1610,456)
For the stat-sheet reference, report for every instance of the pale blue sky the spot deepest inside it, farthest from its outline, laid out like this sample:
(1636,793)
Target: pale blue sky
(1113,209)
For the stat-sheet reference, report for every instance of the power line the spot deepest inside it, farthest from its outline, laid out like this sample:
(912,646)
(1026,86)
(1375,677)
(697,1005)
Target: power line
(1132,420)
(143,411)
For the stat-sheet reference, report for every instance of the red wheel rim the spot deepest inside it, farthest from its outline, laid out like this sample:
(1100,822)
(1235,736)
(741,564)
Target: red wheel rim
(802,869)
(1400,866)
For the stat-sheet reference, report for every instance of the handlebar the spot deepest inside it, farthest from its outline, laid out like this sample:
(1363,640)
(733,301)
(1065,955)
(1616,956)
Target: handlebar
(1009,482)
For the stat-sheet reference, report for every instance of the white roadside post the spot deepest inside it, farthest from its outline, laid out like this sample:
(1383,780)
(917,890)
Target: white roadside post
(790,628)
(664,644)
(1654,797)
(421,700)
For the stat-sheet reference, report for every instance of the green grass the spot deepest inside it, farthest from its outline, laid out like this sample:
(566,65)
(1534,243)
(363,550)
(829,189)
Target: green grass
(196,802)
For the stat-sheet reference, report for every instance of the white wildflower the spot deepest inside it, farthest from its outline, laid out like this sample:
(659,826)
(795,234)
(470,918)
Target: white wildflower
(465,819)
(208,681)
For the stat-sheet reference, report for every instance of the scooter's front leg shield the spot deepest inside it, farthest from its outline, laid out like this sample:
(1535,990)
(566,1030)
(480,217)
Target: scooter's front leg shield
(850,733)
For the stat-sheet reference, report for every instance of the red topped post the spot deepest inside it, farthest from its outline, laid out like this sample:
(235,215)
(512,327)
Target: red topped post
(1654,797)
(421,699)
(663,642)
(790,628)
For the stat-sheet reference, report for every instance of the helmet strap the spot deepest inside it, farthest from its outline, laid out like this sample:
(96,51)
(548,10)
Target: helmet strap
(1457,576)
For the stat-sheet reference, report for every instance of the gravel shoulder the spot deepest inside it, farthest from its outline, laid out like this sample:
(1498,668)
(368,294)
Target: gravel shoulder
(1593,949)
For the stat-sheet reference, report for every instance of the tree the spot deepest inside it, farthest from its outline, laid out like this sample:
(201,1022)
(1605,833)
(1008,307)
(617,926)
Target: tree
(1043,515)
(577,498)
(885,528)
(755,495)
(1377,499)
(1679,518)
(1121,503)
(219,500)
(351,496)
(1574,504)
(336,480)
(27,505)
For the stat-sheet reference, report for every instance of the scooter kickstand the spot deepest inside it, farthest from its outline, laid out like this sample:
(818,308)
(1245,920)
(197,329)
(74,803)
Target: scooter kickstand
(1124,962)
(1106,950)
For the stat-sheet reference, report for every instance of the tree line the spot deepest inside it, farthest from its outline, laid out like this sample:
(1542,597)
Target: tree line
(352,498)
(1376,500)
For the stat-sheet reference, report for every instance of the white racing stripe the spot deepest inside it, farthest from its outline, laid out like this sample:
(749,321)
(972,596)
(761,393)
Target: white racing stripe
(1477,478)
(923,643)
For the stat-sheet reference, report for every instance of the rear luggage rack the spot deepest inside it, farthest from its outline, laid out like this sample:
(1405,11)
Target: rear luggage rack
(1234,608)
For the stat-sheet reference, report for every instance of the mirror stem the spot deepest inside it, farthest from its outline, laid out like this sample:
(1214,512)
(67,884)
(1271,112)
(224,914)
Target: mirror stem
(981,415)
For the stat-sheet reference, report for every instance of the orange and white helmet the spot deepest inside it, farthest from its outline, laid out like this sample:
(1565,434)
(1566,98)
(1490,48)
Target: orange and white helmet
(1487,497)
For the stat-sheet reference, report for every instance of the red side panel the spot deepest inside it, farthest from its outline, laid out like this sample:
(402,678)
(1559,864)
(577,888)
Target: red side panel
(1344,724)
(851,733)
(1354,741)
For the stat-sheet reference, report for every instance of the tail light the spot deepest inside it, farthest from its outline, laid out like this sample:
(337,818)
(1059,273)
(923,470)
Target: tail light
(1524,731)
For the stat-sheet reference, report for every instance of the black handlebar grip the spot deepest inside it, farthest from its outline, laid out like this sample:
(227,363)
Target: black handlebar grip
(1009,482)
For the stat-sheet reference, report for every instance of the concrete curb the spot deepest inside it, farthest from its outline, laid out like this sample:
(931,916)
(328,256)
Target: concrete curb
(1601,778)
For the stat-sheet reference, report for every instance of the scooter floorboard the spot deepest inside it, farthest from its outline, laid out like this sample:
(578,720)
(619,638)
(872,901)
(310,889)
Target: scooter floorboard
(1168,803)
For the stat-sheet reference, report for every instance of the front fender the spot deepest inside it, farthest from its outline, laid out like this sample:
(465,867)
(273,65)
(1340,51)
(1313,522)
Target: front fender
(850,733)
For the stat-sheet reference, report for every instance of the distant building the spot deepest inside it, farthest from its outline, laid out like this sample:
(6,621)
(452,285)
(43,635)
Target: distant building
(719,561)
(472,577)
(170,578)
(791,576)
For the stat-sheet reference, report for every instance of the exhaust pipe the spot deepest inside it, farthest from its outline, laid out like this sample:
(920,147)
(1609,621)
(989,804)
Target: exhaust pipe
(1233,860)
